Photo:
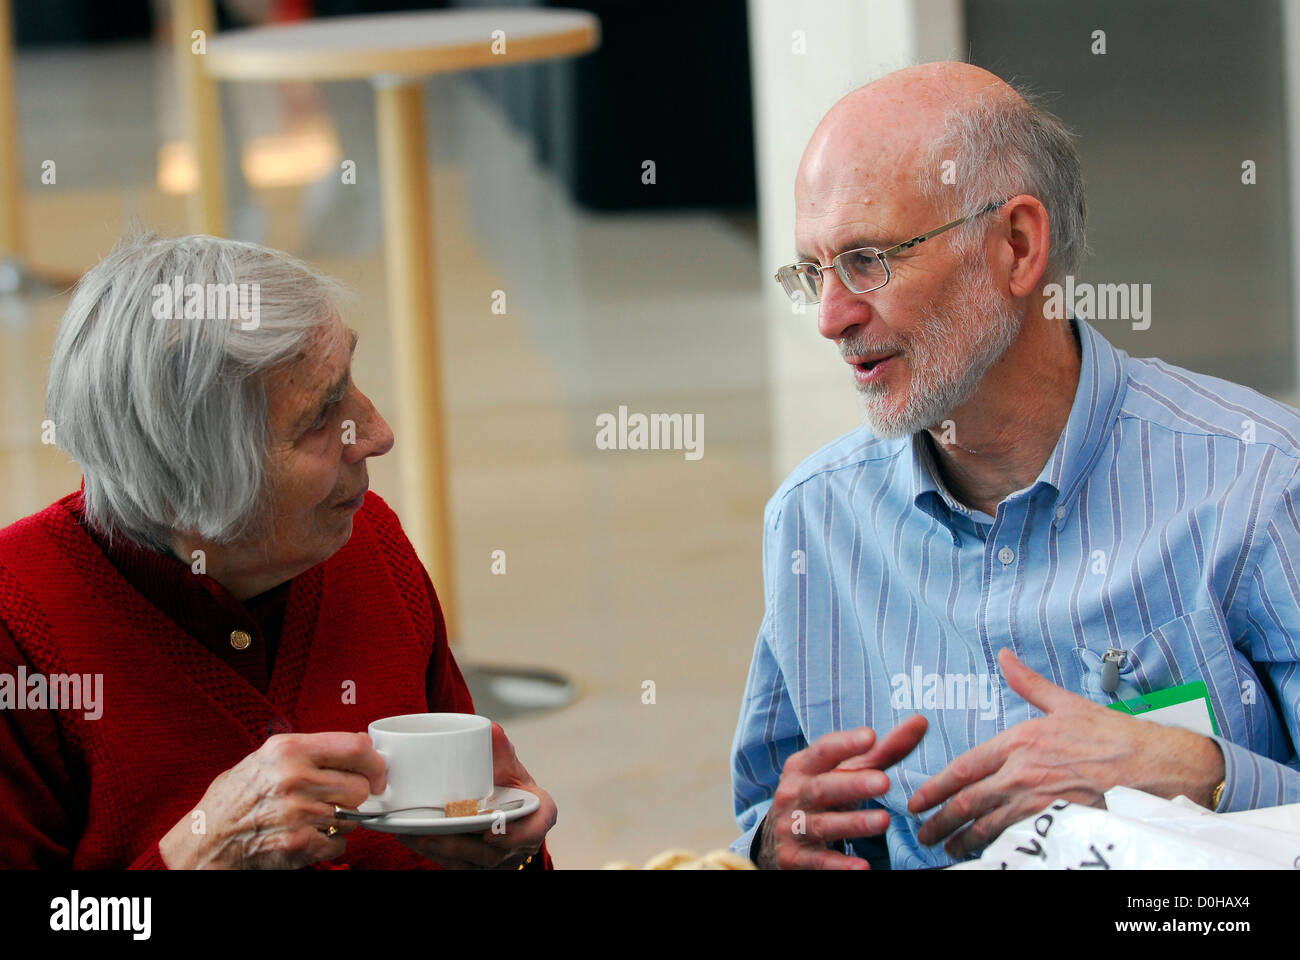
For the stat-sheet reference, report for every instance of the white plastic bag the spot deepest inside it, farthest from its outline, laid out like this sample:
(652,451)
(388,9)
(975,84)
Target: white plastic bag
(1138,831)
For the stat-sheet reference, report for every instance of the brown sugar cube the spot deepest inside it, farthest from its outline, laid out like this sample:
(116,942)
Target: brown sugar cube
(462,808)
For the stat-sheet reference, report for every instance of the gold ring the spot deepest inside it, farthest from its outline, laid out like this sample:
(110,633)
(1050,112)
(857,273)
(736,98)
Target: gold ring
(333,829)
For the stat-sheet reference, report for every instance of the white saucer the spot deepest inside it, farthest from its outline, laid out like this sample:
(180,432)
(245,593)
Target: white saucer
(431,822)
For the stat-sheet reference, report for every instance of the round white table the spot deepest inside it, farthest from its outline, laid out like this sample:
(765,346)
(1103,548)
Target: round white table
(394,52)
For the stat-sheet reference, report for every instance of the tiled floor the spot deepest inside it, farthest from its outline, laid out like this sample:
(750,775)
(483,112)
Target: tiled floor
(622,567)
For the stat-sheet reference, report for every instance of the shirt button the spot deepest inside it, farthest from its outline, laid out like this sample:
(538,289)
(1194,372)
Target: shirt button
(1060,513)
(1006,555)
(240,639)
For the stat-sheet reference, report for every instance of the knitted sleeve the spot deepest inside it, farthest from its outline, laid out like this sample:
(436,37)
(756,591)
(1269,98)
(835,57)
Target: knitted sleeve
(36,817)
(151,859)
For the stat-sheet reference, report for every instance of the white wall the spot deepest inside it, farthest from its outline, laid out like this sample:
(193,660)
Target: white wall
(847,43)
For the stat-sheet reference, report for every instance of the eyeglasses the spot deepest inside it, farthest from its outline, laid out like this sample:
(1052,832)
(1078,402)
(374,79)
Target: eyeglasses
(861,270)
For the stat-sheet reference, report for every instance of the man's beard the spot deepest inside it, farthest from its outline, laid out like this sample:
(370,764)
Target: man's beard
(947,354)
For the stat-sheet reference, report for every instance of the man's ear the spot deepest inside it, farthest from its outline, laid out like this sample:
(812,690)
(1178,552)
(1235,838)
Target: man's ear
(1028,237)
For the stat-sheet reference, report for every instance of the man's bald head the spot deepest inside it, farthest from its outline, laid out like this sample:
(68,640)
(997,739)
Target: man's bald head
(892,122)
(943,139)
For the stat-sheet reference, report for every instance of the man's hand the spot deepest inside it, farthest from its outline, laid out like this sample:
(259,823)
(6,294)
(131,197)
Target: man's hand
(1077,752)
(500,851)
(820,788)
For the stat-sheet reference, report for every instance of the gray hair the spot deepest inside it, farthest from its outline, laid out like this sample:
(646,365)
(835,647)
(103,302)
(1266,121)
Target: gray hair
(1002,146)
(168,419)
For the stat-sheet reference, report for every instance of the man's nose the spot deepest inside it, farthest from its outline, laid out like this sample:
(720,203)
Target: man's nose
(840,308)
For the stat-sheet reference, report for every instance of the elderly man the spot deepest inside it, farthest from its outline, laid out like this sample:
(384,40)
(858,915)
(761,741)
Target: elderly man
(1035,526)
(226,581)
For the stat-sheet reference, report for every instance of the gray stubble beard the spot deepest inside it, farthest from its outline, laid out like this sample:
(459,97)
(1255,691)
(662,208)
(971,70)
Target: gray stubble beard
(938,382)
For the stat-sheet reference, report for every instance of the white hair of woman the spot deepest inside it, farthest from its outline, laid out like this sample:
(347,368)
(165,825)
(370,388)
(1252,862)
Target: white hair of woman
(168,418)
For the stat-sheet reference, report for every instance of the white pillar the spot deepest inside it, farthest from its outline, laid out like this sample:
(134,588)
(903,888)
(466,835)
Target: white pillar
(1291,82)
(844,44)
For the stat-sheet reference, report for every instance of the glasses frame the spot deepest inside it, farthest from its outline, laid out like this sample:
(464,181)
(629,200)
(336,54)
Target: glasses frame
(881,255)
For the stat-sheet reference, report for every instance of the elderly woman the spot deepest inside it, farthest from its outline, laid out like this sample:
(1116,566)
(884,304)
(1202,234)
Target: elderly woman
(226,580)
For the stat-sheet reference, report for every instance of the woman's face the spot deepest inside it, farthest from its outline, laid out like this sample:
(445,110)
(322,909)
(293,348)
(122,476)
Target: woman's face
(322,430)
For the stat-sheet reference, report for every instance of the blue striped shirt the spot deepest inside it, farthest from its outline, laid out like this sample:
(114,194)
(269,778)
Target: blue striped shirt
(1165,522)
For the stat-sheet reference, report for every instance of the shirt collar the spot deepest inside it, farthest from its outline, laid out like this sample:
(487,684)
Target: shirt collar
(1102,378)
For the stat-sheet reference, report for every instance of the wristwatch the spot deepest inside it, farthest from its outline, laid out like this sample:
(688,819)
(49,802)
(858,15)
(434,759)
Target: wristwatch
(1217,795)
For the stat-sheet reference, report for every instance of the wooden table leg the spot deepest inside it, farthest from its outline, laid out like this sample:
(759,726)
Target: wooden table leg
(413,319)
(202,106)
(11,176)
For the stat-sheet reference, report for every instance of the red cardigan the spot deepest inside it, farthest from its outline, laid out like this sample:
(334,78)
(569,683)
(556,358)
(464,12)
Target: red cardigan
(180,705)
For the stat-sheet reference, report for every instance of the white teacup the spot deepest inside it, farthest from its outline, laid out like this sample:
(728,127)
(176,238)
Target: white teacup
(434,758)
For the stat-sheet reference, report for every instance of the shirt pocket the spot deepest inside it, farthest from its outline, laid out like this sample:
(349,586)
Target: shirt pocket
(1195,646)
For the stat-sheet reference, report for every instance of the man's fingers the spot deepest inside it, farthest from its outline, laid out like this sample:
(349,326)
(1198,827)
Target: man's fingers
(972,766)
(840,788)
(975,837)
(969,804)
(832,827)
(989,827)
(898,743)
(828,750)
(808,859)
(1034,688)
